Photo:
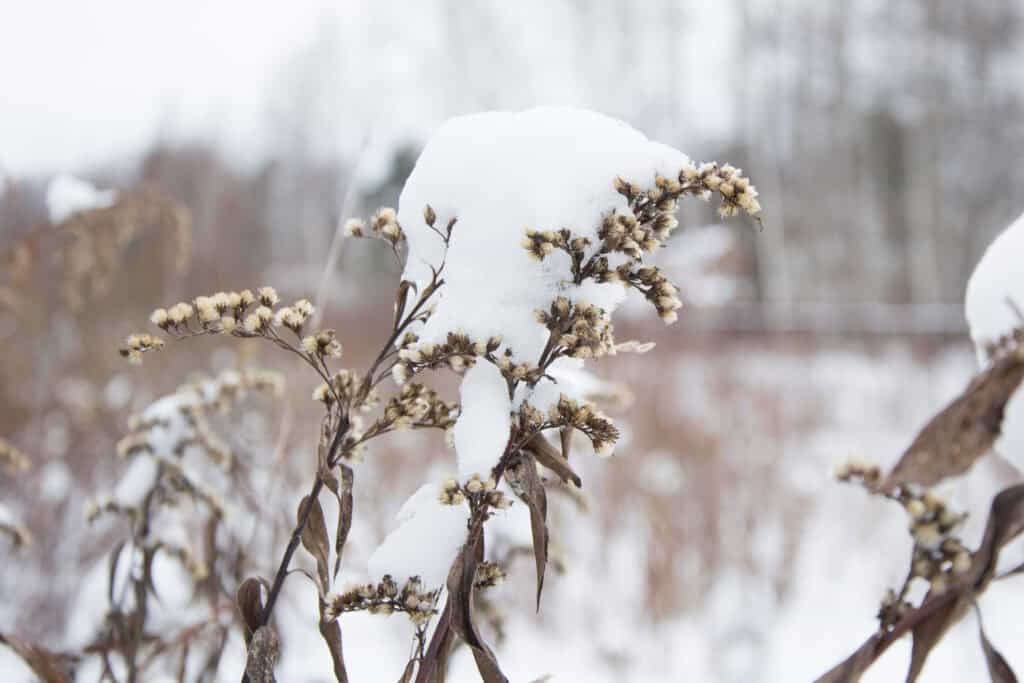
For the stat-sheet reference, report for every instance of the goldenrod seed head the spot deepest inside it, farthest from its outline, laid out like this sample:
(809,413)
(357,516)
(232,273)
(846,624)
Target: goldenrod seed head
(268,296)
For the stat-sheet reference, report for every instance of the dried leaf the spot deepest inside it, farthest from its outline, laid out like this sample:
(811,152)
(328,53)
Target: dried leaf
(148,556)
(343,494)
(1005,523)
(314,538)
(963,431)
(50,667)
(853,667)
(330,631)
(528,486)
(999,669)
(401,297)
(112,569)
(434,667)
(930,631)
(264,651)
(549,456)
(460,591)
(249,598)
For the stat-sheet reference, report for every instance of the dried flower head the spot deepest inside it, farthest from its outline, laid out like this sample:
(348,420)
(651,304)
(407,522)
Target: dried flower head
(384,598)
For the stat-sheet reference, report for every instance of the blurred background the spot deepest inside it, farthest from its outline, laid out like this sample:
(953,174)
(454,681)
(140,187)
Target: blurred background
(886,140)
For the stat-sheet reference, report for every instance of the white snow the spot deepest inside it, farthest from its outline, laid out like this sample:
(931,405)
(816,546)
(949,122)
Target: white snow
(137,481)
(66,195)
(55,480)
(482,430)
(996,287)
(425,543)
(500,173)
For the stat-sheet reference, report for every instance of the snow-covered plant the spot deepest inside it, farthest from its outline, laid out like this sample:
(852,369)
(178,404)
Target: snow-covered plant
(521,234)
(170,581)
(987,416)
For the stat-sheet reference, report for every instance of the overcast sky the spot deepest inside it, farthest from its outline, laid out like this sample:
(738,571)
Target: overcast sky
(87,82)
(82,81)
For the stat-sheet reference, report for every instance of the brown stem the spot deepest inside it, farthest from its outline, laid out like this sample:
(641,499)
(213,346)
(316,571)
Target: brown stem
(296,538)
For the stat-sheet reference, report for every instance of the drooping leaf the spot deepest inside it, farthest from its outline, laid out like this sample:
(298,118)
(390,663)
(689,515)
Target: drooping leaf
(963,431)
(115,556)
(527,484)
(1005,522)
(148,557)
(343,494)
(330,631)
(249,598)
(314,538)
(853,667)
(549,456)
(930,631)
(999,669)
(565,439)
(460,591)
(401,297)
(49,666)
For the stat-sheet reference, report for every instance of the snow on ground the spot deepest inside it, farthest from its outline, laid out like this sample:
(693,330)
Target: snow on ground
(593,626)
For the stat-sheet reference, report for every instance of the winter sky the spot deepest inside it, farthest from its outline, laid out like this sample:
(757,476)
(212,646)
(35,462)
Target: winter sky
(84,80)
(88,82)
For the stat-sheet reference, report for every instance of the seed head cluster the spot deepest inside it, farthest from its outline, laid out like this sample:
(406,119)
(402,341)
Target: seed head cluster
(385,598)
(479,492)
(323,344)
(938,557)
(488,575)
(384,225)
(1011,342)
(580,330)
(420,406)
(858,471)
(346,385)
(568,412)
(458,352)
(938,553)
(240,314)
(137,344)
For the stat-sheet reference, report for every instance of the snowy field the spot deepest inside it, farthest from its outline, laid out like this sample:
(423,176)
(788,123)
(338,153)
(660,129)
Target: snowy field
(709,541)
(762,617)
